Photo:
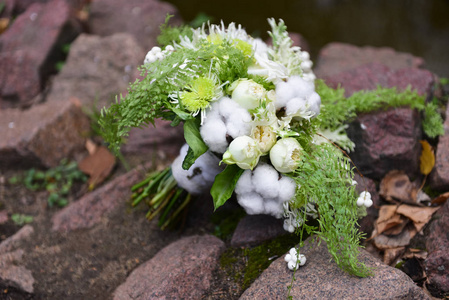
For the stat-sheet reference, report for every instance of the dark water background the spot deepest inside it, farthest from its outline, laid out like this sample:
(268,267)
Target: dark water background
(420,27)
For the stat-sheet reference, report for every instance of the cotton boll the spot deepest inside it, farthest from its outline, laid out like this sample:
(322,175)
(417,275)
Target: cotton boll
(244,184)
(302,88)
(213,133)
(200,177)
(314,102)
(284,92)
(252,203)
(287,189)
(295,105)
(265,181)
(238,124)
(227,107)
(274,208)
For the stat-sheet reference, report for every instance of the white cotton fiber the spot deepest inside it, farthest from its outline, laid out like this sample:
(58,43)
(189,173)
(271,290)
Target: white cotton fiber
(239,124)
(227,107)
(213,132)
(284,92)
(314,102)
(252,203)
(295,105)
(200,177)
(287,188)
(244,184)
(265,181)
(274,208)
(301,87)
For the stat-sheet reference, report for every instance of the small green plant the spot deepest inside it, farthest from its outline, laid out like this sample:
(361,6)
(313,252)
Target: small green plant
(20,219)
(65,50)
(57,181)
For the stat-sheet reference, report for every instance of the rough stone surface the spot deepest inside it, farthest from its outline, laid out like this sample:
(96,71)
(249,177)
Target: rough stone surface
(141,18)
(439,178)
(367,222)
(90,209)
(385,141)
(161,137)
(97,69)
(42,135)
(255,229)
(3,216)
(321,279)
(369,76)
(437,244)
(337,57)
(17,276)
(30,48)
(12,242)
(181,270)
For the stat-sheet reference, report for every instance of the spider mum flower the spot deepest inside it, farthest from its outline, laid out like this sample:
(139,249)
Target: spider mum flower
(199,94)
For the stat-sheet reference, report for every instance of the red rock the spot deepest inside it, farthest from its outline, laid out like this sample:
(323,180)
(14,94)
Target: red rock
(97,69)
(10,243)
(3,216)
(439,178)
(337,57)
(30,48)
(42,135)
(368,77)
(141,18)
(182,270)
(161,137)
(365,184)
(321,278)
(255,229)
(90,209)
(386,140)
(437,244)
(15,275)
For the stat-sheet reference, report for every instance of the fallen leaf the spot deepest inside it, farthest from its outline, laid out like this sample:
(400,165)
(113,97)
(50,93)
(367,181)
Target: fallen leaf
(418,253)
(427,158)
(98,165)
(395,230)
(4,23)
(391,255)
(419,215)
(441,199)
(384,242)
(396,186)
(387,219)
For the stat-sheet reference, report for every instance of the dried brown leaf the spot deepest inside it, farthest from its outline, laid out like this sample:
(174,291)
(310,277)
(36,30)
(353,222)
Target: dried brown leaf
(441,199)
(419,215)
(4,23)
(391,255)
(396,186)
(98,165)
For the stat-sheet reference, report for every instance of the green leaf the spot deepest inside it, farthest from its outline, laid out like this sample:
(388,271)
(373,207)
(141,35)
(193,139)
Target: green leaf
(224,184)
(196,143)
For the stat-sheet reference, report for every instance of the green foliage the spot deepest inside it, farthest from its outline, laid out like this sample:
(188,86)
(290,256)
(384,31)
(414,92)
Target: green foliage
(65,49)
(197,147)
(170,34)
(338,110)
(57,181)
(147,99)
(226,221)
(432,122)
(20,219)
(224,184)
(324,176)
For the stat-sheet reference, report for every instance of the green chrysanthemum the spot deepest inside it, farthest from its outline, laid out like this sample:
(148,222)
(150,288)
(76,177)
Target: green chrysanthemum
(200,92)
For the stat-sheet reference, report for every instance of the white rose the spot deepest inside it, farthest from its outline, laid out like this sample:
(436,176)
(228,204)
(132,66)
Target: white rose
(265,136)
(247,93)
(284,155)
(243,151)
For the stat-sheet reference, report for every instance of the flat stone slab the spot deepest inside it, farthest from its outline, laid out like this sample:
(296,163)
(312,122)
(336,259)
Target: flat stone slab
(141,18)
(97,70)
(91,208)
(182,270)
(321,278)
(30,48)
(42,135)
(337,57)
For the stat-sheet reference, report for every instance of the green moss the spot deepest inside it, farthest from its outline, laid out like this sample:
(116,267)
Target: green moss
(244,265)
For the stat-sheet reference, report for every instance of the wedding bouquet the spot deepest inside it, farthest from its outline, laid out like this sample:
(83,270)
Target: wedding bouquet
(253,128)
